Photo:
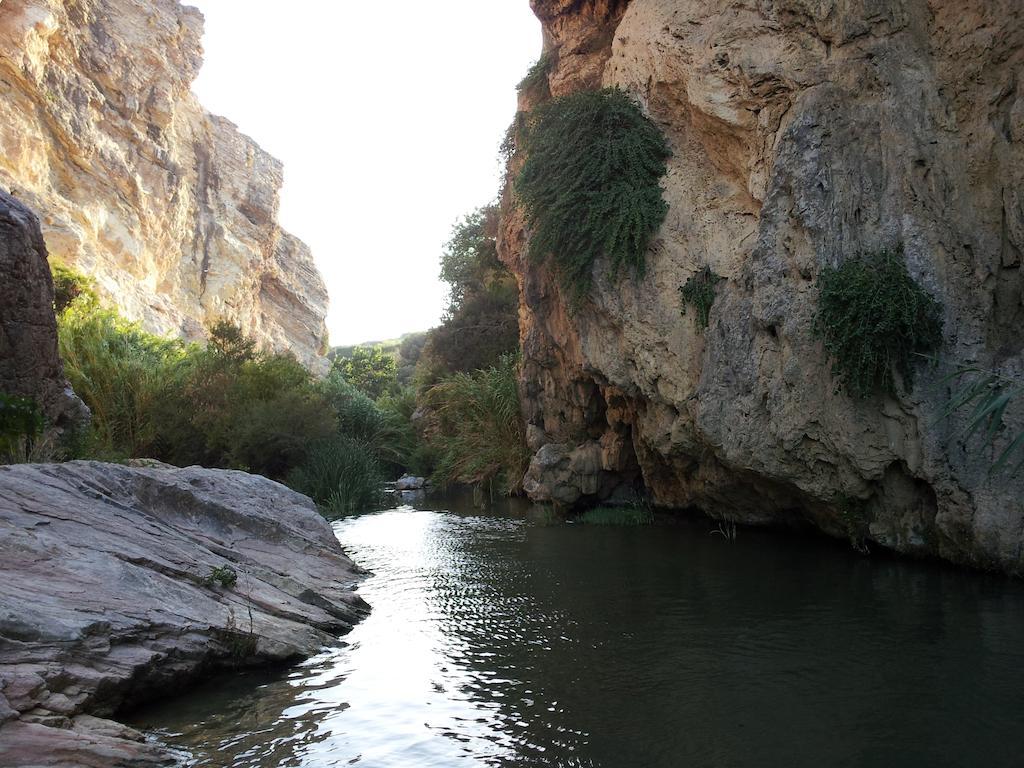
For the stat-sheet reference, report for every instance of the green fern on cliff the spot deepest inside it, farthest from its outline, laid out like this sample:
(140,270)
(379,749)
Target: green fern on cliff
(590,186)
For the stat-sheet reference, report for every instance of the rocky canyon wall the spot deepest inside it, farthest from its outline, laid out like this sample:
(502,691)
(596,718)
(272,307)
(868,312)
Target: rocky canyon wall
(30,365)
(171,209)
(803,132)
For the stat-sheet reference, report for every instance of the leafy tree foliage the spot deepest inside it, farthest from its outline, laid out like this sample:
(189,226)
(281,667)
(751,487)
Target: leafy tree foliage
(482,321)
(68,285)
(590,185)
(370,370)
(470,259)
(228,404)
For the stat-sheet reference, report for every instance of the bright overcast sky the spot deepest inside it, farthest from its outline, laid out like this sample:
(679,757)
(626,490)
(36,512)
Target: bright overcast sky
(387,117)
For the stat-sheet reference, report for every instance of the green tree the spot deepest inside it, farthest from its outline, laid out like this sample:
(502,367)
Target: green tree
(470,259)
(482,321)
(370,370)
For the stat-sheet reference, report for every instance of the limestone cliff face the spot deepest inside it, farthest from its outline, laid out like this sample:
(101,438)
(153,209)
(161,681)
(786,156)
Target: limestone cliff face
(29,363)
(170,208)
(803,132)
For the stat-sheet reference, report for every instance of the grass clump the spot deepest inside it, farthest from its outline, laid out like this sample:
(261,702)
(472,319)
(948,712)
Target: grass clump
(476,428)
(986,395)
(224,575)
(340,475)
(590,185)
(121,372)
(876,321)
(629,515)
(699,292)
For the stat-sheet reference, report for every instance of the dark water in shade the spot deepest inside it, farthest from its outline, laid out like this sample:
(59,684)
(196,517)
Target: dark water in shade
(499,640)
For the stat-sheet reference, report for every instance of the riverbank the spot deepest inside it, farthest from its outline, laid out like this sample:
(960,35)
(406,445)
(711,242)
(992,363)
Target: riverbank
(127,584)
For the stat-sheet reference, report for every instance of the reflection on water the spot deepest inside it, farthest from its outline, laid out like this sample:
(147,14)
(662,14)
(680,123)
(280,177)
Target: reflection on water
(497,640)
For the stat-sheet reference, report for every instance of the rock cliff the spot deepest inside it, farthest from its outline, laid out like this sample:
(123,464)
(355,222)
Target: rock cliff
(802,133)
(29,363)
(107,597)
(170,208)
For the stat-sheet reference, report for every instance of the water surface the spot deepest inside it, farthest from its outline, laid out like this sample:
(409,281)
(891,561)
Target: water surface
(497,639)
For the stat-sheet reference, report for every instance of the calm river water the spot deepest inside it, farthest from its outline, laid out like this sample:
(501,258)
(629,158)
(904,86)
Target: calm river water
(497,639)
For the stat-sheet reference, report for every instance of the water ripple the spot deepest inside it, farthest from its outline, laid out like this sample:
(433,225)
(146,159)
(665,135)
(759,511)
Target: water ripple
(494,641)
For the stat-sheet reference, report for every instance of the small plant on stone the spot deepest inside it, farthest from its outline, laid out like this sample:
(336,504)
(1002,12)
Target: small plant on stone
(699,293)
(876,322)
(856,519)
(239,644)
(21,422)
(224,575)
(727,530)
(590,187)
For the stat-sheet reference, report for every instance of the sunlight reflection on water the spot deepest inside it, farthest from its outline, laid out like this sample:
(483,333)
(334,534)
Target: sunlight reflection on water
(495,641)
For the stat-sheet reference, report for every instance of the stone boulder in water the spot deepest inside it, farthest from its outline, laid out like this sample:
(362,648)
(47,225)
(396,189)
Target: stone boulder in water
(122,584)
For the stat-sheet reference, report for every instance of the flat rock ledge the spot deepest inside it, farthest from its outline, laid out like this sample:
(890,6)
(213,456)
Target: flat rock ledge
(107,600)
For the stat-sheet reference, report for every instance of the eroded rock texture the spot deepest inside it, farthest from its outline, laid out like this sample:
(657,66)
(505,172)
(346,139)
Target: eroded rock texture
(803,132)
(170,208)
(29,363)
(104,600)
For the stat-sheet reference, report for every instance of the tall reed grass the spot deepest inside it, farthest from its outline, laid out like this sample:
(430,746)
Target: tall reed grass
(477,428)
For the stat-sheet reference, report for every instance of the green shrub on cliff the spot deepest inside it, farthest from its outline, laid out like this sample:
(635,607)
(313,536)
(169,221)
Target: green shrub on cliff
(699,292)
(538,73)
(876,321)
(590,185)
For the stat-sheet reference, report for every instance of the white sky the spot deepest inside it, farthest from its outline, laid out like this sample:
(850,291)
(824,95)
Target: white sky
(388,117)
